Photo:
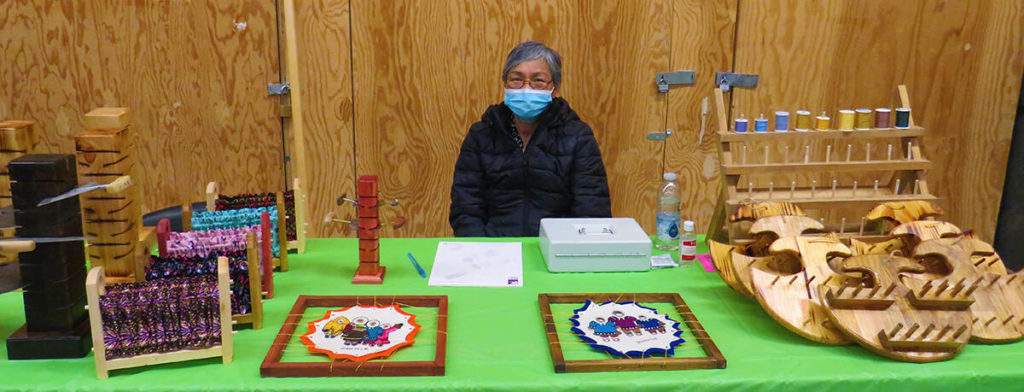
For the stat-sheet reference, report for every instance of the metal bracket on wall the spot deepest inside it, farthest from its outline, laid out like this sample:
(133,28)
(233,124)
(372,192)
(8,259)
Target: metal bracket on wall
(278,88)
(665,79)
(725,80)
(659,135)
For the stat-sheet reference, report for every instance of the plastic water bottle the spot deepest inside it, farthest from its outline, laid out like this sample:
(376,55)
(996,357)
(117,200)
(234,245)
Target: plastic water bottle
(667,237)
(687,245)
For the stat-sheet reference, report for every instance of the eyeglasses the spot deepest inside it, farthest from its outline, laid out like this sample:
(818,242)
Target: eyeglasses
(536,83)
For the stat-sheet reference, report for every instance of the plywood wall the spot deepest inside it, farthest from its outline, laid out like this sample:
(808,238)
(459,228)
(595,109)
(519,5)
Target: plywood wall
(326,74)
(193,72)
(961,61)
(425,71)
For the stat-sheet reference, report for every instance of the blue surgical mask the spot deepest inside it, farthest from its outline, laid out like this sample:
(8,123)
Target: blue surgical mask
(526,103)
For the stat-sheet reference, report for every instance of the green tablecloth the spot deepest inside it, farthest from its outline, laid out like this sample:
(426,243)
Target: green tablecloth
(496,339)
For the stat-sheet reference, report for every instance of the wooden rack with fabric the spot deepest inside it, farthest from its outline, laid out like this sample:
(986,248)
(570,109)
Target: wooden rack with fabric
(294,206)
(191,253)
(213,219)
(818,173)
(190,311)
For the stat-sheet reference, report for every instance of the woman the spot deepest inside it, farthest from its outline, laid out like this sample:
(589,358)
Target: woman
(529,157)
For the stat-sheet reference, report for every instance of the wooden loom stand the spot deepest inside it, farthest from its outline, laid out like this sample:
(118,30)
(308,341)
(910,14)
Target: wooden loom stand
(95,288)
(291,50)
(267,278)
(734,193)
(213,192)
(255,317)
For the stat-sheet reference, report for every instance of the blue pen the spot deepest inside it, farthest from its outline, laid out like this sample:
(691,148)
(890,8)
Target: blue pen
(417,265)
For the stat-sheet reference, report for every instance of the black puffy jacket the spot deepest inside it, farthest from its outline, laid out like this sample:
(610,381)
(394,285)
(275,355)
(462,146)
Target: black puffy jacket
(502,191)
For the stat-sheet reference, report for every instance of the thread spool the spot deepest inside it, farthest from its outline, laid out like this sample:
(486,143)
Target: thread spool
(902,118)
(781,121)
(761,124)
(803,120)
(822,122)
(740,125)
(882,118)
(846,120)
(863,120)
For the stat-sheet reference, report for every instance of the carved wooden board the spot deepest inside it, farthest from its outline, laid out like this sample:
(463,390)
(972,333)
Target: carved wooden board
(900,212)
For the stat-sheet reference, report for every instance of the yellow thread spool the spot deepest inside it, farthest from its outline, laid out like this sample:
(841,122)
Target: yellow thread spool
(863,119)
(846,120)
(803,120)
(823,122)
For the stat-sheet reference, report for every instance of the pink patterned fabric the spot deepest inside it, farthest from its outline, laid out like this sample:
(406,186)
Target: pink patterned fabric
(204,243)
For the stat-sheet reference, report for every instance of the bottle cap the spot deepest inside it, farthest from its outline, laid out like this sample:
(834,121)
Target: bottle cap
(688,225)
(669,176)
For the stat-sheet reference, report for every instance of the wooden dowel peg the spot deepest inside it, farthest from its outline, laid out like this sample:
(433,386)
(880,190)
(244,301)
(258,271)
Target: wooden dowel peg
(771,188)
(842,226)
(888,153)
(1012,277)
(854,192)
(834,183)
(924,290)
(785,157)
(807,154)
(876,187)
(863,220)
(896,190)
(794,278)
(814,183)
(990,321)
(995,279)
(792,189)
(829,278)
(911,330)
(849,149)
(888,290)
(750,189)
(917,183)
(776,279)
(808,283)
(766,155)
(857,291)
(943,332)
(867,153)
(960,331)
(927,331)
(942,287)
(973,287)
(957,287)
(910,153)
(841,290)
(1008,319)
(895,330)
(828,153)
(874,291)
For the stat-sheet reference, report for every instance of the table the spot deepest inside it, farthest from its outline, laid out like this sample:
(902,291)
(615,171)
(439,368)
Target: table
(761,354)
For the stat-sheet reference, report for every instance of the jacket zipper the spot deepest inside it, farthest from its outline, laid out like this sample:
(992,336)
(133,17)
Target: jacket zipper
(526,190)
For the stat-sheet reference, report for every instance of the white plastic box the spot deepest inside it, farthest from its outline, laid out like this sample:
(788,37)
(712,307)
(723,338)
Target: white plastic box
(594,245)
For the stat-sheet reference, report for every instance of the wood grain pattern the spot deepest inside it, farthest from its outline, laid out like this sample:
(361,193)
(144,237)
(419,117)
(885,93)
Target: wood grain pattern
(702,40)
(962,63)
(326,77)
(425,71)
(195,81)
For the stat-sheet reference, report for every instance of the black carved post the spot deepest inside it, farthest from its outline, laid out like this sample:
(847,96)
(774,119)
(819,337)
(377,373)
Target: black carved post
(56,322)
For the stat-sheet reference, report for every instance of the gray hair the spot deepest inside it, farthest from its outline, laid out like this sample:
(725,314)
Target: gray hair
(533,50)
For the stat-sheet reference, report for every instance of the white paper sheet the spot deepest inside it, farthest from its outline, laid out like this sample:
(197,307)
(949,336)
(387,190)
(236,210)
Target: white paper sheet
(481,264)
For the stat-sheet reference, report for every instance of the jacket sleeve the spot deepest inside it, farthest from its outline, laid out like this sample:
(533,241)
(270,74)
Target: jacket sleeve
(468,210)
(589,183)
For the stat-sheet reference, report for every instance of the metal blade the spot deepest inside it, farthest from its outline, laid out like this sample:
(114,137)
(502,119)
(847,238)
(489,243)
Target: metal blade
(72,193)
(46,240)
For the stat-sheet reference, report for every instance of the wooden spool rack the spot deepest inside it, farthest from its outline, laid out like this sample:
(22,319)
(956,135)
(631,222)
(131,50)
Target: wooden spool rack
(95,288)
(739,169)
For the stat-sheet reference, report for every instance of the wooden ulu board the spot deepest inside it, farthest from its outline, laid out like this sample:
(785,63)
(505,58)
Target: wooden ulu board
(713,359)
(880,314)
(273,367)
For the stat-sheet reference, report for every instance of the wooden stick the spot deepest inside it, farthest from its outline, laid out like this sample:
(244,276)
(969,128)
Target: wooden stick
(785,158)
(910,153)
(1008,319)
(895,330)
(854,193)
(944,331)
(896,190)
(766,155)
(927,331)
(842,226)
(876,187)
(834,183)
(892,286)
(867,153)
(863,220)
(959,286)
(960,331)
(841,289)
(924,290)
(776,279)
(750,189)
(849,149)
(911,330)
(828,153)
(917,183)
(888,154)
(807,154)
(794,278)
(990,321)
(942,287)
(857,291)
(814,183)
(771,187)
(874,291)
(808,282)
(792,189)
(293,71)
(744,154)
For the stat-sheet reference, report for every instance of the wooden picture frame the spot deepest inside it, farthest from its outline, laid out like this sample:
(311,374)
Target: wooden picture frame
(714,359)
(273,367)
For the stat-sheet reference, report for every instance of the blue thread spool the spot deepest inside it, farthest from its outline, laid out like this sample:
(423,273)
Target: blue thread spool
(761,124)
(902,118)
(781,121)
(740,125)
